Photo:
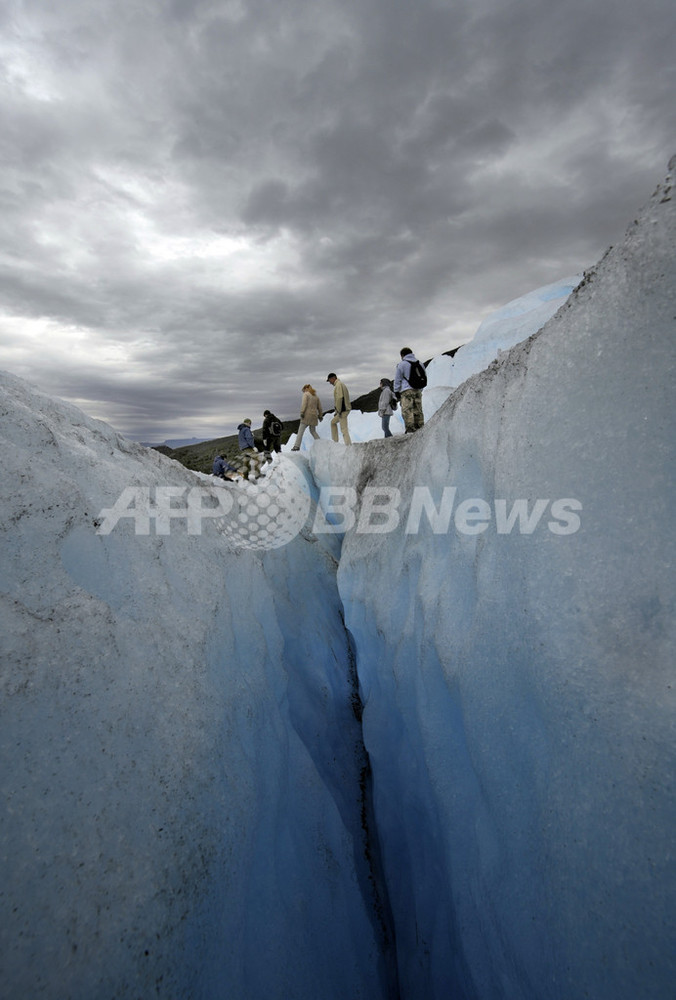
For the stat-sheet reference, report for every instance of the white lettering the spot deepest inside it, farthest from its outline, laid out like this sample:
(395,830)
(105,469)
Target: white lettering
(519,512)
(164,512)
(134,501)
(561,510)
(379,502)
(472,517)
(196,511)
(423,501)
(335,501)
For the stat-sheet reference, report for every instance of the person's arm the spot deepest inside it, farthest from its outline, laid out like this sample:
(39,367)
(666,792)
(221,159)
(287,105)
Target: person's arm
(397,378)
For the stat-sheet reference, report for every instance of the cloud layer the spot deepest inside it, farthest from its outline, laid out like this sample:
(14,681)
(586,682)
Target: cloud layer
(207,204)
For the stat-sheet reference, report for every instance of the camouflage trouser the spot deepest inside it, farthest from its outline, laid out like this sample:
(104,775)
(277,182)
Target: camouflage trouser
(249,463)
(411,409)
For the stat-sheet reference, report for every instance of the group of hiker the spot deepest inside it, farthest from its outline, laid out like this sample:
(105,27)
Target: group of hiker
(409,381)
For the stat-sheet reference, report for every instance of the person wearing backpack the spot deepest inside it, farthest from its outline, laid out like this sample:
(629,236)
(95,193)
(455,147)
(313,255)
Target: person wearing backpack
(409,381)
(310,414)
(272,431)
(387,404)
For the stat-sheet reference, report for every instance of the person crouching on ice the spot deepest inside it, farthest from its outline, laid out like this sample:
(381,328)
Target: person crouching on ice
(223,469)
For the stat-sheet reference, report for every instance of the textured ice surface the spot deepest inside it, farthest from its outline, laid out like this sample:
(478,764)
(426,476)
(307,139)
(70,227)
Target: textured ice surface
(183,777)
(519,687)
(181,763)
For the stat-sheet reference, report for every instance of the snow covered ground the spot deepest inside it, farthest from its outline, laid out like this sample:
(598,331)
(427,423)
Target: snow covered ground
(504,328)
(362,426)
(189,809)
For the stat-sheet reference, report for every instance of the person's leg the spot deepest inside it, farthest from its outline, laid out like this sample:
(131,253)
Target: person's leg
(385,422)
(244,457)
(313,431)
(335,419)
(299,436)
(418,416)
(253,464)
(407,410)
(343,426)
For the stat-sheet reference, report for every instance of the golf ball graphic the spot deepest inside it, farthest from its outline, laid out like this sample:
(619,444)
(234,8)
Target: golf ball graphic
(268,512)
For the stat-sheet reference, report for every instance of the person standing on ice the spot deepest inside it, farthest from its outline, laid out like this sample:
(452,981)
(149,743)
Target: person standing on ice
(342,404)
(409,381)
(272,432)
(310,414)
(247,450)
(386,404)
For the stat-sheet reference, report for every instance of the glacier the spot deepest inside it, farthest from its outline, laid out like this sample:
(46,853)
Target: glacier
(183,768)
(408,757)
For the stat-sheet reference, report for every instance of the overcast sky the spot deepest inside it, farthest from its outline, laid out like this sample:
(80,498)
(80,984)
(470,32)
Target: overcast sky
(208,203)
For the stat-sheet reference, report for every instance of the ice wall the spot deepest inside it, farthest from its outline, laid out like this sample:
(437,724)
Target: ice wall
(182,767)
(185,789)
(519,685)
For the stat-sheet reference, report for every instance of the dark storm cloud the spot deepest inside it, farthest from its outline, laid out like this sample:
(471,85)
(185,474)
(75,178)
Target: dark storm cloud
(209,203)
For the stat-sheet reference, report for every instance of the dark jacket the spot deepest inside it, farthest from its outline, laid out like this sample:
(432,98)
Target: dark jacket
(269,439)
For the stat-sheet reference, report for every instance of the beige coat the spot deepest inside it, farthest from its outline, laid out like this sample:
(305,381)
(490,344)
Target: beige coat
(341,397)
(311,409)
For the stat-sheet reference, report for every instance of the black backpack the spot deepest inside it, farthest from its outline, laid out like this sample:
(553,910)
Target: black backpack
(417,377)
(275,429)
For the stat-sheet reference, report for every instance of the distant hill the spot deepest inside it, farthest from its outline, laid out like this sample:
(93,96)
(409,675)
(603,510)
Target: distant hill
(200,456)
(175,443)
